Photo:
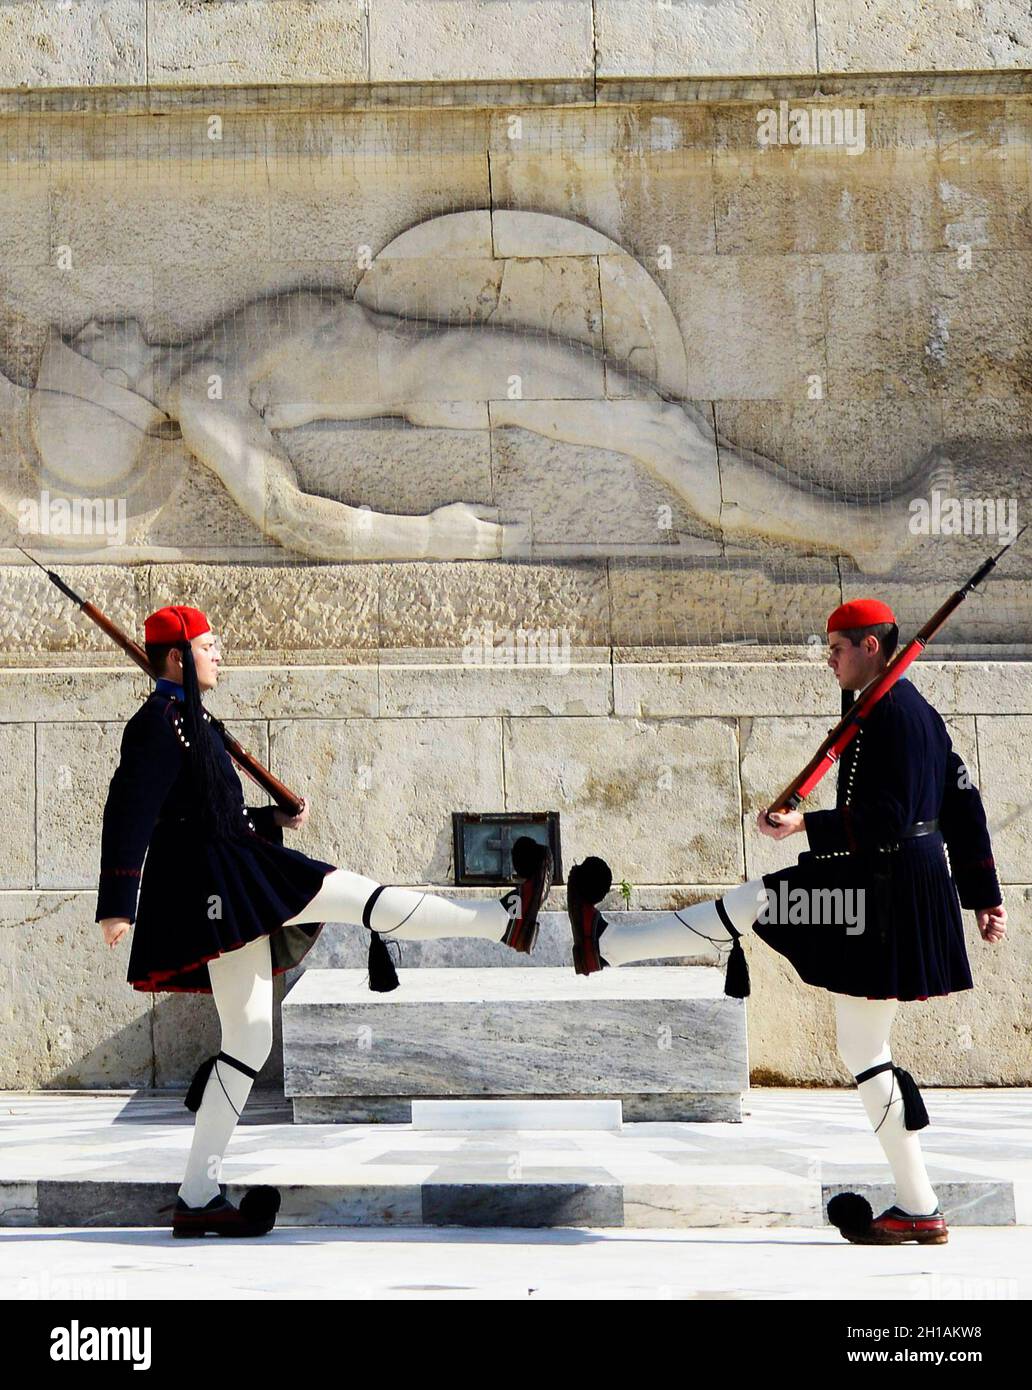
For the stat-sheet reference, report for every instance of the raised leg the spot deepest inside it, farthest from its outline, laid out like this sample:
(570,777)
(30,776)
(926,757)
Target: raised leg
(679,933)
(406,914)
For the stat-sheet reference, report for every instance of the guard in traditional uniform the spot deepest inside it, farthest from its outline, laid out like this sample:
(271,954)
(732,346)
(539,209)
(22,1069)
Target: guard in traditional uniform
(221,905)
(869,912)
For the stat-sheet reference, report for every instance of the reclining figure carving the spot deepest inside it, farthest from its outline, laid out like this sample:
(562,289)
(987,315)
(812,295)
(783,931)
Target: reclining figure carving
(303,356)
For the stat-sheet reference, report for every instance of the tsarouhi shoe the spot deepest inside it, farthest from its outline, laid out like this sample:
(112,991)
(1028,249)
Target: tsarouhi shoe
(532,864)
(587,885)
(255,1216)
(852,1214)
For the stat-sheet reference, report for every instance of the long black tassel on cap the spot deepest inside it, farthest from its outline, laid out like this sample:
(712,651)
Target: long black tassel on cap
(915,1116)
(736,977)
(382,975)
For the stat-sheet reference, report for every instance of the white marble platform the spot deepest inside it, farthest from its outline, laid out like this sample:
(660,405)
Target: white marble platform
(665,1041)
(536,1115)
(114,1158)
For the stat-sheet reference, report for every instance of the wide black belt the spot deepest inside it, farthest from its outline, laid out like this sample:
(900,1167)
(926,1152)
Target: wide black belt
(919,827)
(911,832)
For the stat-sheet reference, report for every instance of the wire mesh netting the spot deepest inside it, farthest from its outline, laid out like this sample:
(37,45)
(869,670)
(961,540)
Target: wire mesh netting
(662,364)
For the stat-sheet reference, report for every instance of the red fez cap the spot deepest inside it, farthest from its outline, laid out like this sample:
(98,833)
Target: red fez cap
(176,624)
(860,612)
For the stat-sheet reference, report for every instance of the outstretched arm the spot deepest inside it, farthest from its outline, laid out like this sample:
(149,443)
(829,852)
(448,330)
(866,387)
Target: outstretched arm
(241,450)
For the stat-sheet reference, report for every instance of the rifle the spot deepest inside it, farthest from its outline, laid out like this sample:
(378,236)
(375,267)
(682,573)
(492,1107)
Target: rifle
(288,802)
(853,717)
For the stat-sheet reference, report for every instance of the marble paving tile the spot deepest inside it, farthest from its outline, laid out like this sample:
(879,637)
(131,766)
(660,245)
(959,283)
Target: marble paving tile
(373,1204)
(296,1175)
(18,1204)
(762,1204)
(522,1204)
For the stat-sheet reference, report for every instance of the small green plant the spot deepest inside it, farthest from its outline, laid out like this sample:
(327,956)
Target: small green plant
(625,891)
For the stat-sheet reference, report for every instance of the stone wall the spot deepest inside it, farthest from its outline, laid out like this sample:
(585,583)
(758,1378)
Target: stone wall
(584,169)
(656,235)
(127,42)
(659,765)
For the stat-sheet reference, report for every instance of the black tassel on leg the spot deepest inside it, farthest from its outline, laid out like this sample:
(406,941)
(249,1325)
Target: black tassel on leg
(736,977)
(195,1094)
(382,975)
(915,1116)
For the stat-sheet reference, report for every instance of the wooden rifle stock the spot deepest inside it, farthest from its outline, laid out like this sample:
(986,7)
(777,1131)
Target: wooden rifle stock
(288,802)
(849,725)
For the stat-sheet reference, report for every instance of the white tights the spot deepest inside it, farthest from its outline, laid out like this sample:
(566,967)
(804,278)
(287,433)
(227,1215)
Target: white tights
(407,914)
(241,985)
(862,1025)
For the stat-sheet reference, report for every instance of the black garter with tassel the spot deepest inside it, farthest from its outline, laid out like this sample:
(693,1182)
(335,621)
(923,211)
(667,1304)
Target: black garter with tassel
(736,977)
(195,1093)
(382,975)
(915,1116)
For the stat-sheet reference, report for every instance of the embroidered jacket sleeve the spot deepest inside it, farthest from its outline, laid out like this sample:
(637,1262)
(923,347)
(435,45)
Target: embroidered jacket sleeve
(265,823)
(884,810)
(963,825)
(150,761)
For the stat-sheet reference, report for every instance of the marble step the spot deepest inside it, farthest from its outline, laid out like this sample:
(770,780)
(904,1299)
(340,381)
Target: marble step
(585,1198)
(115,1158)
(533,1116)
(666,1042)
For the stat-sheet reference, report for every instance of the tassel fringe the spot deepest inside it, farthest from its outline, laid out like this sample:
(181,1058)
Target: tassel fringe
(195,1093)
(382,975)
(915,1116)
(736,977)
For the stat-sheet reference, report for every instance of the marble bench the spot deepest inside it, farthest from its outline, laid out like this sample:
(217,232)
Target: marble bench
(664,1040)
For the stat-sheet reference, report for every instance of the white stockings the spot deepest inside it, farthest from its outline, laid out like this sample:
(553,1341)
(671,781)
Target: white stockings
(241,985)
(241,982)
(407,914)
(679,933)
(863,1027)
